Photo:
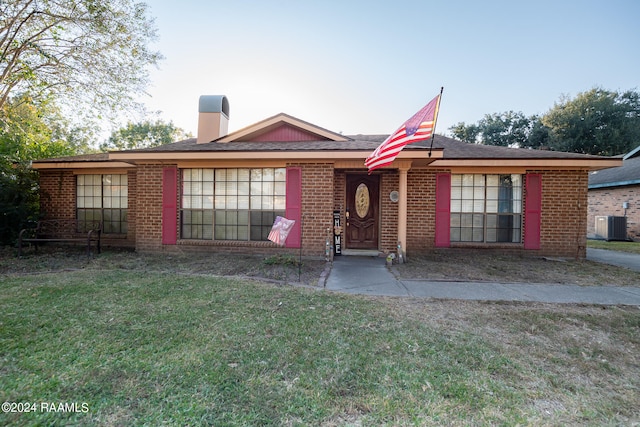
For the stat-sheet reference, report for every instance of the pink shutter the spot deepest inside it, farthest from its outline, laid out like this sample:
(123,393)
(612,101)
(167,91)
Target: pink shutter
(443,210)
(533,211)
(294,205)
(169,206)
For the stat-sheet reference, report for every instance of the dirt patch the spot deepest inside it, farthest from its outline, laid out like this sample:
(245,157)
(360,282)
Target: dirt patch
(440,265)
(479,266)
(280,268)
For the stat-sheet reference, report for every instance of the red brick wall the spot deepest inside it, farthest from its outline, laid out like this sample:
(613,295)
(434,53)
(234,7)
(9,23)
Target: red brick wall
(421,201)
(58,201)
(420,207)
(148,207)
(317,206)
(132,181)
(339,188)
(57,195)
(388,213)
(317,213)
(564,213)
(608,202)
(563,223)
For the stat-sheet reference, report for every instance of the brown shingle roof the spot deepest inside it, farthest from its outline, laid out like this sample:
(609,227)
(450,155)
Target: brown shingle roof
(96,157)
(452,149)
(627,174)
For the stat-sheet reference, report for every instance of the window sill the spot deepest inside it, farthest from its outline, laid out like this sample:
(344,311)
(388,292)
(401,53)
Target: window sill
(478,245)
(227,243)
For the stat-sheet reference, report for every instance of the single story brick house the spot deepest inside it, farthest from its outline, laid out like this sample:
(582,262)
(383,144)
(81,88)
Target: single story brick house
(616,192)
(222,191)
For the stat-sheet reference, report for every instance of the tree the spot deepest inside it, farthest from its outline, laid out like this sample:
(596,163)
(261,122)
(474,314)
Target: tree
(538,135)
(597,122)
(508,129)
(143,135)
(466,133)
(29,131)
(91,55)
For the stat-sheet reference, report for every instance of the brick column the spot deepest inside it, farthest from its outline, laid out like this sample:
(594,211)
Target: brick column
(402,210)
(149,207)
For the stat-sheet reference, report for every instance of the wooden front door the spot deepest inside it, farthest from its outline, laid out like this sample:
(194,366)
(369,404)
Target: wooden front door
(362,213)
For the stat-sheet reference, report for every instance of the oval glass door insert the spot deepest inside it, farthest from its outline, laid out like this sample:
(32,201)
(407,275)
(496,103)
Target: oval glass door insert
(362,200)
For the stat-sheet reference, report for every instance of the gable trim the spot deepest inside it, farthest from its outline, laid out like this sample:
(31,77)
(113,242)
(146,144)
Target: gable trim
(282,118)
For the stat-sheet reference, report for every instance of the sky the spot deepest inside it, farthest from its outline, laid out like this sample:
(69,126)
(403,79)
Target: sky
(354,66)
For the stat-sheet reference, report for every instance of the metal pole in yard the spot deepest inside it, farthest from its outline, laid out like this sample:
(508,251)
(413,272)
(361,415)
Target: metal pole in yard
(300,256)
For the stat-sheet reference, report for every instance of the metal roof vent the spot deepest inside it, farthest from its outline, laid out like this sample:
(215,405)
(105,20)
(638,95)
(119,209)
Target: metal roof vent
(213,117)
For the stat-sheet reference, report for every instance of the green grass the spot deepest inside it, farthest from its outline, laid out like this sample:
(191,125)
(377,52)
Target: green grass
(631,247)
(168,349)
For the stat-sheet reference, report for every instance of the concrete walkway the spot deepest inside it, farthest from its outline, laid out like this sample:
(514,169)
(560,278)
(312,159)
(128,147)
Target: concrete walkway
(370,276)
(621,259)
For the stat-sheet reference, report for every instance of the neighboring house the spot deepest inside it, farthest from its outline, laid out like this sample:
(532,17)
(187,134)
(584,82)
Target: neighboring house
(616,192)
(222,191)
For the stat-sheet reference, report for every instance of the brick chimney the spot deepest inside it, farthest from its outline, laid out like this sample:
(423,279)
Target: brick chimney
(213,117)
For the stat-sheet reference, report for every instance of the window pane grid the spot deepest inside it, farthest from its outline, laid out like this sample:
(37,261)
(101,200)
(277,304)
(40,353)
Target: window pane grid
(196,224)
(103,198)
(486,208)
(242,203)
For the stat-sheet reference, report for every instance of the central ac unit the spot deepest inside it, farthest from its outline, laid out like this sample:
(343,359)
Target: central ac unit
(611,227)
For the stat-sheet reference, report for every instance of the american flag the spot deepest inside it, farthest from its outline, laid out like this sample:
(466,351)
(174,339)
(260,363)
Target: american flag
(280,230)
(417,128)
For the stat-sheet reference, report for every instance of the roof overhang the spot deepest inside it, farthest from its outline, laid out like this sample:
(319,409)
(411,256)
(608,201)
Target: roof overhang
(614,184)
(82,165)
(589,164)
(419,158)
(633,153)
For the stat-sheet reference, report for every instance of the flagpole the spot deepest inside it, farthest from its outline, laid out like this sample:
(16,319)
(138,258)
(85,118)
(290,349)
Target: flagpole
(435,120)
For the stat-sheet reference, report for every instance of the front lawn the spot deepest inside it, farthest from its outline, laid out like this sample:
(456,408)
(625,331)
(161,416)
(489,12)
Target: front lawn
(631,247)
(163,348)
